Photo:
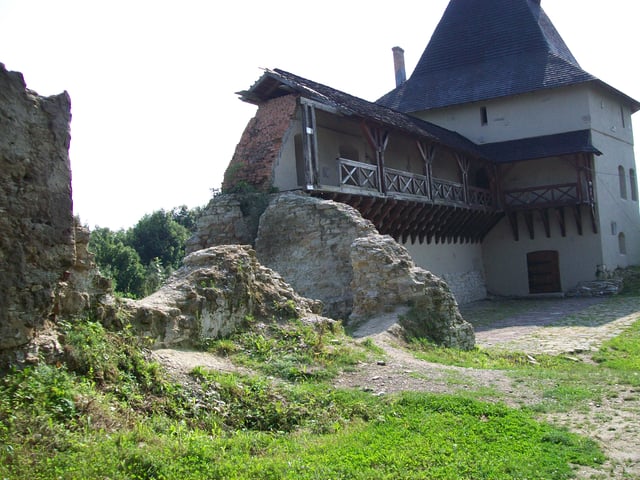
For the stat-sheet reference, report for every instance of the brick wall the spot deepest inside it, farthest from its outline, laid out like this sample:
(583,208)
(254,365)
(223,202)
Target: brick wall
(255,156)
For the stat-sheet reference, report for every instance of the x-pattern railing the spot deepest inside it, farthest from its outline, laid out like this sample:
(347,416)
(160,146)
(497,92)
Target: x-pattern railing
(365,175)
(448,190)
(404,182)
(480,196)
(358,174)
(562,194)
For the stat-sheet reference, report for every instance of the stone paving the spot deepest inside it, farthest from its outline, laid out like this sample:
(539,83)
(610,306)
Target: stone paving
(552,326)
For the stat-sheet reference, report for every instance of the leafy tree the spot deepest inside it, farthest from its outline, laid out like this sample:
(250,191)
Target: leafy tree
(118,261)
(142,257)
(186,217)
(159,236)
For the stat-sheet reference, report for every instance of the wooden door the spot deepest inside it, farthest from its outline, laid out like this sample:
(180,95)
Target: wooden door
(544,271)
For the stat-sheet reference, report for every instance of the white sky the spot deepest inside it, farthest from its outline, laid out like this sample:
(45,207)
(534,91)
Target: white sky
(152,82)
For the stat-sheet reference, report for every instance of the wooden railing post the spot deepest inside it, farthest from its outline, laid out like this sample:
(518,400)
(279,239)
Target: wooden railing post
(464,163)
(378,139)
(427,152)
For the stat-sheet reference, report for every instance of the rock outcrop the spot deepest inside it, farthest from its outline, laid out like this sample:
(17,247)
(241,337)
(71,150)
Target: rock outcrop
(308,242)
(385,278)
(214,293)
(326,250)
(45,270)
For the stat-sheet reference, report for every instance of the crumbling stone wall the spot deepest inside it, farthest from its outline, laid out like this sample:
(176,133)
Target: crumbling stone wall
(43,257)
(255,156)
(230,219)
(36,215)
(327,250)
(467,286)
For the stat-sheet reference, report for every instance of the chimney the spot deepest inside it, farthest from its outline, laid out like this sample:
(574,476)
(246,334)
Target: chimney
(398,65)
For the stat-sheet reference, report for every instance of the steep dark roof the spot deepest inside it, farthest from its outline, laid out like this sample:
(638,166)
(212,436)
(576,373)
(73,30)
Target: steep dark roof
(484,49)
(276,83)
(540,147)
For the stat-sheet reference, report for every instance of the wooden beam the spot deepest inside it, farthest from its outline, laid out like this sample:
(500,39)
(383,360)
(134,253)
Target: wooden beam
(513,221)
(544,215)
(387,206)
(577,213)
(561,221)
(594,223)
(390,220)
(528,220)
(378,139)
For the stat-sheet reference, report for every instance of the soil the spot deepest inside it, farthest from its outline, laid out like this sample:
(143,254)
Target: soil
(571,327)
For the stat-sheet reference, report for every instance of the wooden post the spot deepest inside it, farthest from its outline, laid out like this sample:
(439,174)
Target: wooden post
(378,139)
(464,163)
(310,143)
(427,152)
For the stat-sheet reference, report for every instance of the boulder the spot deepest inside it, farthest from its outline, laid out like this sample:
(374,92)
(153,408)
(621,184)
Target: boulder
(217,291)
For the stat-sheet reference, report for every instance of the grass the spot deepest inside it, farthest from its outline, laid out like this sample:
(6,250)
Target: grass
(106,411)
(407,437)
(294,351)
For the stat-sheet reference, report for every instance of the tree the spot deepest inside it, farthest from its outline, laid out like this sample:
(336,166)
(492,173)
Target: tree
(186,217)
(118,261)
(159,236)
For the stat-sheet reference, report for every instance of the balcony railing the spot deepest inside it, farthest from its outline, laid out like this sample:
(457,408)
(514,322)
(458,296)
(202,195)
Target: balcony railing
(358,174)
(448,191)
(404,182)
(365,176)
(480,196)
(547,196)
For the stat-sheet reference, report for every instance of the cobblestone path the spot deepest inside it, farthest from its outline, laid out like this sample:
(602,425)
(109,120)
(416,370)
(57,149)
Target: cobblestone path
(553,326)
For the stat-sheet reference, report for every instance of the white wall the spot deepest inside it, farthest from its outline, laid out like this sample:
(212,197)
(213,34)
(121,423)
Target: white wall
(529,115)
(505,260)
(460,265)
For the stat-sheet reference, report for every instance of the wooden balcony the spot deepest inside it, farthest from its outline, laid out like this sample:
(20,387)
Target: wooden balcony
(407,205)
(542,201)
(401,184)
(410,206)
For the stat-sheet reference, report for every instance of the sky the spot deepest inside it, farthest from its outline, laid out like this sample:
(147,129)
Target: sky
(152,82)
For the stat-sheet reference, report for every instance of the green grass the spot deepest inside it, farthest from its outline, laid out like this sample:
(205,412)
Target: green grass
(294,351)
(487,359)
(106,411)
(564,382)
(413,436)
(622,354)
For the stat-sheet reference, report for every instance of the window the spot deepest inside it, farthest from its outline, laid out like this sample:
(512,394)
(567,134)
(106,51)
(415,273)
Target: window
(634,184)
(624,123)
(483,116)
(622,244)
(623,182)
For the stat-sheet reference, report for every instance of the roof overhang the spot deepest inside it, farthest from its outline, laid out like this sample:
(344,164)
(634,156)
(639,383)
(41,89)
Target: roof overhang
(557,145)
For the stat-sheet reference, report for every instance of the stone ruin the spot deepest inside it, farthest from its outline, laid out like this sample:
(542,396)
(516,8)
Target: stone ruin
(215,292)
(320,249)
(326,250)
(46,273)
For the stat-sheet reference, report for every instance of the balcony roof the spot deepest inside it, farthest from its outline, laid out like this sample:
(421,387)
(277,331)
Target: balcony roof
(276,83)
(540,147)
